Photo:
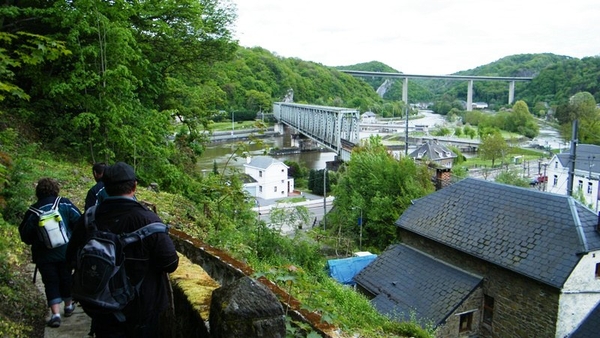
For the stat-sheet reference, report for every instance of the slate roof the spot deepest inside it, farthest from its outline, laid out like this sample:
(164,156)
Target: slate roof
(537,234)
(586,154)
(590,326)
(432,150)
(406,281)
(263,162)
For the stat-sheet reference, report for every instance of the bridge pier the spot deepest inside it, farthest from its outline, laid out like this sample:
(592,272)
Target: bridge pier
(470,96)
(511,92)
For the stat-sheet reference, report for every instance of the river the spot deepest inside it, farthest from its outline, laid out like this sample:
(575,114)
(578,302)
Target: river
(222,152)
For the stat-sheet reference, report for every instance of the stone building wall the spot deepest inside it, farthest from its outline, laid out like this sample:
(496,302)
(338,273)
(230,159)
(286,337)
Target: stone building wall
(523,307)
(451,328)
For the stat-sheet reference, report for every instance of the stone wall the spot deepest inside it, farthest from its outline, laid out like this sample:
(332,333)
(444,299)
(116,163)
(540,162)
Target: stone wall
(451,328)
(225,269)
(523,307)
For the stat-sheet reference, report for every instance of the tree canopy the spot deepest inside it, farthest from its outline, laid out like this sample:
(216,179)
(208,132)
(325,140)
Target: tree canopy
(382,187)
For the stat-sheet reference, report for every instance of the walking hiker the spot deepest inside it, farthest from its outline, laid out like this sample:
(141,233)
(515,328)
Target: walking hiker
(147,261)
(51,261)
(92,195)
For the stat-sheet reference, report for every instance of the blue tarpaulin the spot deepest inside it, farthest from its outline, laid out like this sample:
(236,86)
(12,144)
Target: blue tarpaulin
(343,270)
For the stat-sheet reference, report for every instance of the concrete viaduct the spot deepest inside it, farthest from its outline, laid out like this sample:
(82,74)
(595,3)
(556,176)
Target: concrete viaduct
(511,82)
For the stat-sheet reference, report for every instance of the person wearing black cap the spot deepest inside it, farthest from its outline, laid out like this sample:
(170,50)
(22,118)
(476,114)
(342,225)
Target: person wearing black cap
(150,259)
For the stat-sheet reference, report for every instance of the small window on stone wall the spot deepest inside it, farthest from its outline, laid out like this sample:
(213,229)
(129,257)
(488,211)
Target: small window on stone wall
(466,319)
(488,309)
(597,270)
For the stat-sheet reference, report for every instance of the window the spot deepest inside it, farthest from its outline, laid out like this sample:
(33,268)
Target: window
(597,270)
(555,164)
(465,322)
(555,180)
(580,185)
(488,309)
(275,188)
(260,188)
(260,173)
(590,185)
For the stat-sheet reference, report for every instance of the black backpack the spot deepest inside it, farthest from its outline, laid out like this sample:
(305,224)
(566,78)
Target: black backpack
(100,282)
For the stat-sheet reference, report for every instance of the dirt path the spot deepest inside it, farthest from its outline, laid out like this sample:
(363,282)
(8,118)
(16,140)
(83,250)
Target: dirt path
(78,325)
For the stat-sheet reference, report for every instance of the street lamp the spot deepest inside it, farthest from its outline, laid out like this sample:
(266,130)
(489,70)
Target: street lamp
(360,224)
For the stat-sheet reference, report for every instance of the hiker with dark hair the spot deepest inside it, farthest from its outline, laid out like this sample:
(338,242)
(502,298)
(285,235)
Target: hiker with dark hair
(147,261)
(92,194)
(51,261)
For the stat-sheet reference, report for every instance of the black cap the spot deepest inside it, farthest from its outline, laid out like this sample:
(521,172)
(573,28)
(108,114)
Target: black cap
(118,173)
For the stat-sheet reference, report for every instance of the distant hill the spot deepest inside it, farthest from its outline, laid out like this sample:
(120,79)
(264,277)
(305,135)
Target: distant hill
(556,78)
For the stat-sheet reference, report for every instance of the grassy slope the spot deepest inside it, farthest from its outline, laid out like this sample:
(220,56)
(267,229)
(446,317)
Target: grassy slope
(75,179)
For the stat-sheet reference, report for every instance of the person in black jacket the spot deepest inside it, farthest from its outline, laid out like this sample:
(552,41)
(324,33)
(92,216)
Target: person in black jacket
(51,263)
(91,197)
(148,260)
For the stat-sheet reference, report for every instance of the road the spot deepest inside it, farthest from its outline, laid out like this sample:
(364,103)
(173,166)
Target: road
(315,209)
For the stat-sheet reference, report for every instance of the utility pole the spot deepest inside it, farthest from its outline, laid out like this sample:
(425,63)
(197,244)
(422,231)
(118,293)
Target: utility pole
(406,131)
(572,157)
(325,198)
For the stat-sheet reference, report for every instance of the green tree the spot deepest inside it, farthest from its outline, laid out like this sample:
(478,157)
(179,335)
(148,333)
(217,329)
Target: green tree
(582,107)
(20,49)
(380,185)
(493,146)
(512,177)
(521,121)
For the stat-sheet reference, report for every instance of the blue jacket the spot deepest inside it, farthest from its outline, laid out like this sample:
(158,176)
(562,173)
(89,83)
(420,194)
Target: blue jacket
(29,232)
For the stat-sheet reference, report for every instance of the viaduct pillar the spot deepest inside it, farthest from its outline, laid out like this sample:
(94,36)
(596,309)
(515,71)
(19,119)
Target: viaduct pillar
(470,96)
(511,92)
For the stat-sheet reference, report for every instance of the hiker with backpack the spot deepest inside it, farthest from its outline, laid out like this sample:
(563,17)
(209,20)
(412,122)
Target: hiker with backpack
(128,300)
(47,226)
(92,195)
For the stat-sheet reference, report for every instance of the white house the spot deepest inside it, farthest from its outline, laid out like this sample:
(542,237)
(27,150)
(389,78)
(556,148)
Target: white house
(368,117)
(587,172)
(270,178)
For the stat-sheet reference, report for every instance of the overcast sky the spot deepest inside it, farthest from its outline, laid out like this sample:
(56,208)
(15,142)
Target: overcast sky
(419,36)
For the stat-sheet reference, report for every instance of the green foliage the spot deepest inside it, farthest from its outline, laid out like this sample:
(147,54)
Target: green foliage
(23,48)
(319,180)
(581,107)
(493,147)
(382,187)
(22,308)
(512,177)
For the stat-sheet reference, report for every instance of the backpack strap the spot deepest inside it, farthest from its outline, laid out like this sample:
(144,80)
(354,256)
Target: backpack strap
(56,202)
(141,233)
(39,211)
(35,211)
(90,218)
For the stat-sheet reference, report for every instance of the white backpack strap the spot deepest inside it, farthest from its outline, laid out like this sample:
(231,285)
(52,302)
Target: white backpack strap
(35,211)
(56,202)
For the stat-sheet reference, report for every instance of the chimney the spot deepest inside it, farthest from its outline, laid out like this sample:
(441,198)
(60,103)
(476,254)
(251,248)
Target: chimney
(248,159)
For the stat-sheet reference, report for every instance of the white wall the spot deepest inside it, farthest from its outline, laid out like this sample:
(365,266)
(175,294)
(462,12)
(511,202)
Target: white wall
(562,173)
(579,296)
(274,181)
